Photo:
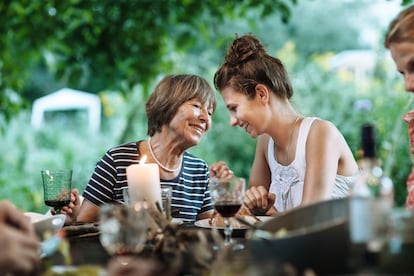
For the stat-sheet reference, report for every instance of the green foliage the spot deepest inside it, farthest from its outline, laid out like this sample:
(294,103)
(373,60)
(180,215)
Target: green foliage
(27,152)
(97,45)
(406,2)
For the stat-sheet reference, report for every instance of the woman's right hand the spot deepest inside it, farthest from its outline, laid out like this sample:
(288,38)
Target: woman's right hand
(220,170)
(260,201)
(72,209)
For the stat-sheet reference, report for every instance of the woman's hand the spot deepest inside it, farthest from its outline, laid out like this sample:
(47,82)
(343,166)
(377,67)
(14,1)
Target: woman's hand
(220,170)
(260,201)
(72,209)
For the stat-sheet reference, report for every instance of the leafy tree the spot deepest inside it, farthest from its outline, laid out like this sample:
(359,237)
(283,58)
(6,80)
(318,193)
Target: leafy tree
(96,45)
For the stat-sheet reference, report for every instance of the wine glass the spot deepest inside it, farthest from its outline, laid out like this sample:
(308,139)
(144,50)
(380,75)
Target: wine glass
(227,198)
(123,228)
(57,185)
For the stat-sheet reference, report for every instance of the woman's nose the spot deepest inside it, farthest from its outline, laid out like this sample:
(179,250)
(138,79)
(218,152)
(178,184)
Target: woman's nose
(233,121)
(204,113)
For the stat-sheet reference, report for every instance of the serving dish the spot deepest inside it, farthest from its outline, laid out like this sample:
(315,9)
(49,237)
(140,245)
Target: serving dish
(46,223)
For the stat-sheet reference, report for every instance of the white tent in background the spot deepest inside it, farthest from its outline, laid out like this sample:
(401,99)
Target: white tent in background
(360,62)
(67,99)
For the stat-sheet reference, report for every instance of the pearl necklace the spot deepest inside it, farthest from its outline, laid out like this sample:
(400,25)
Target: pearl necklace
(159,163)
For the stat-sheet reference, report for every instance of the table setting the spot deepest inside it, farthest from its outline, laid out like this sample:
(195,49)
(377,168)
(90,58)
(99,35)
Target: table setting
(289,242)
(307,240)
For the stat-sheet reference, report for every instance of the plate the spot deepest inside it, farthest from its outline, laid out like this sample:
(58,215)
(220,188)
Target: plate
(204,223)
(43,223)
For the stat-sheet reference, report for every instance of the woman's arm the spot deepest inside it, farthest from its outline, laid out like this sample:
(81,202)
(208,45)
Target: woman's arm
(327,154)
(260,172)
(88,212)
(257,197)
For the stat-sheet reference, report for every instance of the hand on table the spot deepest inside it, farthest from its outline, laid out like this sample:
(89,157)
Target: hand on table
(220,170)
(260,201)
(19,243)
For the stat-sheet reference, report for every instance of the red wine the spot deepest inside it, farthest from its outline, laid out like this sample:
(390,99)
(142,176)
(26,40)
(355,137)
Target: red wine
(57,203)
(227,208)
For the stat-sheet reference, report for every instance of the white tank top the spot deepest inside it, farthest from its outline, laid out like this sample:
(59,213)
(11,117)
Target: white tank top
(287,181)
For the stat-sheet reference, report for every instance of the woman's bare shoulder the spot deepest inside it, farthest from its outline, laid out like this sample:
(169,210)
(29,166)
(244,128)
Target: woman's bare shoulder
(321,127)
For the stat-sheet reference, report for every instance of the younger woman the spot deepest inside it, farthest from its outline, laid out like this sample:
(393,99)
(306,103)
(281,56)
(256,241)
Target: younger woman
(299,160)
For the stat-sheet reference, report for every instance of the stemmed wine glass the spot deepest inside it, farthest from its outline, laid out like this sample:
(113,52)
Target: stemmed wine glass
(227,198)
(57,185)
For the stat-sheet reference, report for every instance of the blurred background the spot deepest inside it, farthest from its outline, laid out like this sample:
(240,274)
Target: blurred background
(75,75)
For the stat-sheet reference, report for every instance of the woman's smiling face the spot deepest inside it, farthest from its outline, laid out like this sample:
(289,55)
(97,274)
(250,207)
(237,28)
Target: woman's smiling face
(192,120)
(243,111)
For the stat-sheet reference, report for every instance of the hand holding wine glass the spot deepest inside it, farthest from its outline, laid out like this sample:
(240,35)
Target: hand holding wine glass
(227,198)
(57,185)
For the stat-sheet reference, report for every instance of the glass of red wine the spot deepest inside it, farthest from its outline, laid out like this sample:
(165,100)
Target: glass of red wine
(57,185)
(227,198)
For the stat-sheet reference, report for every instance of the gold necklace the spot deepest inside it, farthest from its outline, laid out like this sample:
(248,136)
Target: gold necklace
(290,139)
(159,163)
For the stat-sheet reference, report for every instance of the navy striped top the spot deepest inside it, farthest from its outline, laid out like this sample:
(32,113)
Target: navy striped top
(190,195)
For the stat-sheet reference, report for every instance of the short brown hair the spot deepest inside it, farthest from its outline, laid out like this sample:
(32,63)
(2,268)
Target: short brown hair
(401,29)
(170,93)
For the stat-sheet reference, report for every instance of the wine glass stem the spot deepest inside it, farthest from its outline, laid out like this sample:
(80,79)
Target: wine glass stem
(227,232)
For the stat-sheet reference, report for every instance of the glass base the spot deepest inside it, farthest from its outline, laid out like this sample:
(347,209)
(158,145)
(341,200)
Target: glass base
(233,246)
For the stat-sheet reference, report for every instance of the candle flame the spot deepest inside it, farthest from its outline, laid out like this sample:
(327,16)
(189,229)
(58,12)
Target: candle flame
(143,159)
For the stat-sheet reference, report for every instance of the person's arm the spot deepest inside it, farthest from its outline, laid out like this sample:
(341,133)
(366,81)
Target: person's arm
(88,212)
(20,245)
(99,189)
(260,172)
(325,150)
(257,198)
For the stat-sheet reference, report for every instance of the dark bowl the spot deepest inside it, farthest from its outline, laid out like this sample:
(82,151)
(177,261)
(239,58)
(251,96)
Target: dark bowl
(315,236)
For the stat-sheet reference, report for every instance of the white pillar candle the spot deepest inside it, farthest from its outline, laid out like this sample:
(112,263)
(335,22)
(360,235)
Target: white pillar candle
(144,182)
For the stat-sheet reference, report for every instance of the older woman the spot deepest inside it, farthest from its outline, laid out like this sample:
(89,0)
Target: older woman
(179,113)
(400,40)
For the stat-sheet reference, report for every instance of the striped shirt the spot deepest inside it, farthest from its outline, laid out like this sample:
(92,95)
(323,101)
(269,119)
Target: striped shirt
(190,195)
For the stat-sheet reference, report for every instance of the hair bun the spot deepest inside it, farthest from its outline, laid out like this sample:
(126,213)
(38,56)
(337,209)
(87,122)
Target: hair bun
(243,49)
